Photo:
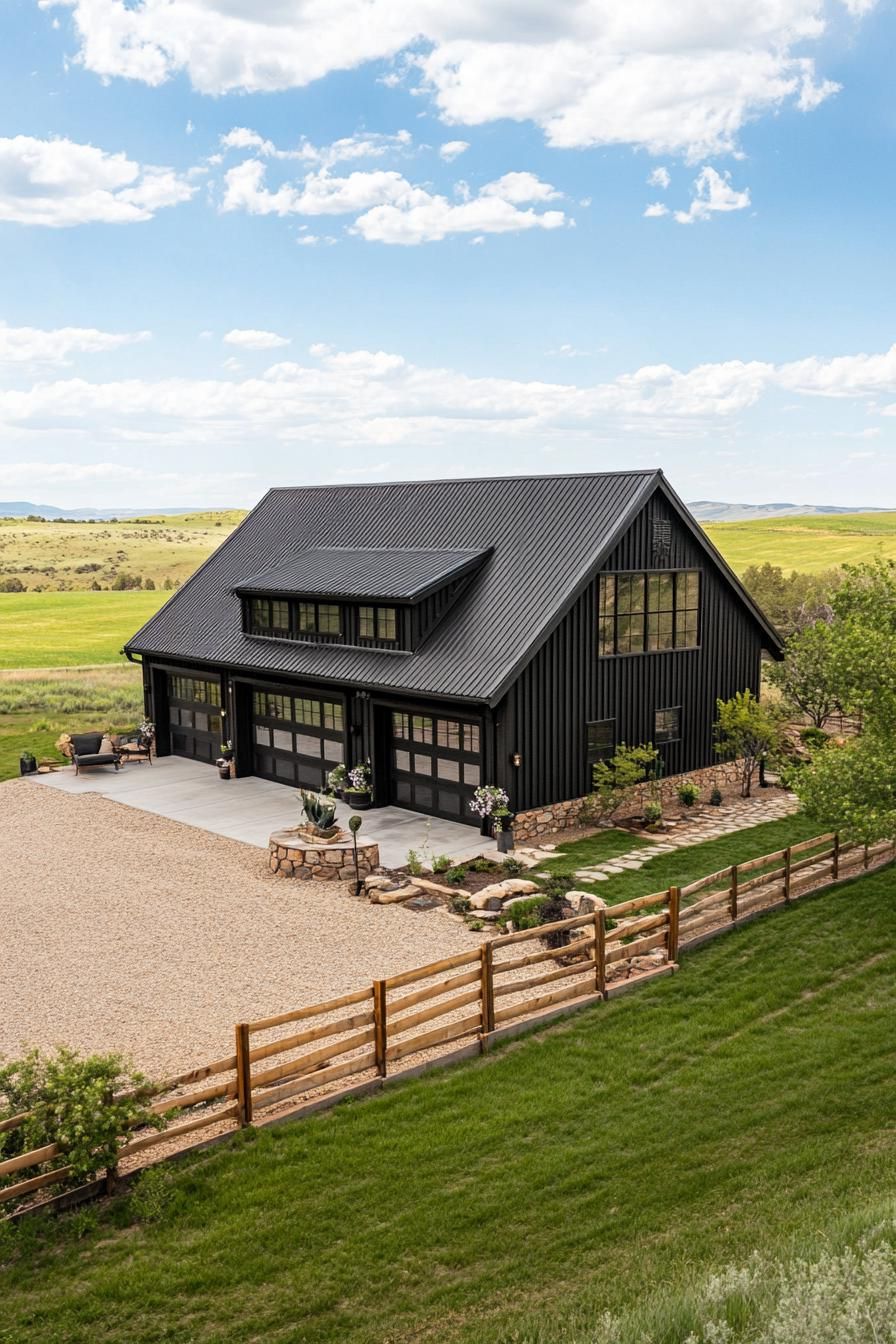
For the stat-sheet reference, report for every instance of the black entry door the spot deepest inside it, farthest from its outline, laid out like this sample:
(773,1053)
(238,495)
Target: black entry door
(436,764)
(194,711)
(297,739)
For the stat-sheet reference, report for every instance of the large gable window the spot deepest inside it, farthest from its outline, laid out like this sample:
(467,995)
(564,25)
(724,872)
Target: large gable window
(648,612)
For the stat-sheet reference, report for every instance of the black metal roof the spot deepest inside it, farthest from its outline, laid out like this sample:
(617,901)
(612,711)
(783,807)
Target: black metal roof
(400,574)
(546,534)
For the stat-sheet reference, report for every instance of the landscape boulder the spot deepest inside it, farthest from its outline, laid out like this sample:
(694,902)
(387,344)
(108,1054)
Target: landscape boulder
(585,902)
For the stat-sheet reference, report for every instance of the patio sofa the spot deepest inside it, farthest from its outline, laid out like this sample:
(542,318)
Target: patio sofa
(92,749)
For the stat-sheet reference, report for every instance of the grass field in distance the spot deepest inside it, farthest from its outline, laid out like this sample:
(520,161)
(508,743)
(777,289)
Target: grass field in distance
(809,544)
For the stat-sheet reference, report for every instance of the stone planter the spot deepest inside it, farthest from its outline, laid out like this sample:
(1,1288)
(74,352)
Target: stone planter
(295,853)
(504,841)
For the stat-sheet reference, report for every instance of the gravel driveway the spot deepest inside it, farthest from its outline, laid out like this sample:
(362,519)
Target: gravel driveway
(123,930)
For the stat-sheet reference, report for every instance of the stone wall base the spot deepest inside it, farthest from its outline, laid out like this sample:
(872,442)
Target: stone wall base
(566,815)
(291,857)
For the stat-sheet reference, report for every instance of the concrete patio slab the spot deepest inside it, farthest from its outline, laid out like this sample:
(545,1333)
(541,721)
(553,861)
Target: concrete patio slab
(250,809)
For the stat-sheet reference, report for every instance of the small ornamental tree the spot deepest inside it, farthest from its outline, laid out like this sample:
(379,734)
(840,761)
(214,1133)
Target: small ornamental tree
(748,731)
(87,1105)
(806,677)
(615,780)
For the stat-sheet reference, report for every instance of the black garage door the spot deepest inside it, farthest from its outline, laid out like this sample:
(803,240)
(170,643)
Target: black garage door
(297,738)
(436,765)
(194,713)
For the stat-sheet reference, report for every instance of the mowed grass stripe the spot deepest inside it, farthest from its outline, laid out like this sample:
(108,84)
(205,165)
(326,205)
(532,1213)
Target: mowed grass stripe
(741,1103)
(70,629)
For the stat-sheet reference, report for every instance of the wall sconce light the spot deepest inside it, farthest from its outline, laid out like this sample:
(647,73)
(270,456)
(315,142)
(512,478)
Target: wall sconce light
(516,759)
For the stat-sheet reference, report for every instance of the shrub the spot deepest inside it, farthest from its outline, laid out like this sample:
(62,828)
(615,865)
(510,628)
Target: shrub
(85,1104)
(653,813)
(688,794)
(441,863)
(481,866)
(414,865)
(460,904)
(715,797)
(153,1194)
(477,925)
(12,586)
(525,914)
(814,738)
(614,780)
(748,730)
(455,876)
(513,867)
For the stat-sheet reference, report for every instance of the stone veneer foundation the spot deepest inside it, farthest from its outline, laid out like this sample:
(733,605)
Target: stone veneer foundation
(564,816)
(294,853)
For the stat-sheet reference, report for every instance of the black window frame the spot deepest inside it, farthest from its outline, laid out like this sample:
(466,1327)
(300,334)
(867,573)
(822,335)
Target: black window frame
(648,611)
(596,750)
(663,736)
(381,618)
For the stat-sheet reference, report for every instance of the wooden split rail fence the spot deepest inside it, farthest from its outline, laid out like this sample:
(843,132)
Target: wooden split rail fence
(474,997)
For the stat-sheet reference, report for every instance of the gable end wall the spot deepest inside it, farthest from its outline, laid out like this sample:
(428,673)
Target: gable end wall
(566,684)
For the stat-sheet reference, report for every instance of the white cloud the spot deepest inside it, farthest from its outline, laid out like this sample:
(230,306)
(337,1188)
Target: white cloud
(249,339)
(675,78)
(32,345)
(376,402)
(364,145)
(659,178)
(58,183)
(656,210)
(713,193)
(189,128)
(389,209)
(452,149)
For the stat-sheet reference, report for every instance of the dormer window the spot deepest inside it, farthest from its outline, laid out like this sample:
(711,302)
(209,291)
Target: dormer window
(318,618)
(270,616)
(378,623)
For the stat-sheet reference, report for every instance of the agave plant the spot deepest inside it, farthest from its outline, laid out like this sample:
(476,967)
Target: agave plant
(320,812)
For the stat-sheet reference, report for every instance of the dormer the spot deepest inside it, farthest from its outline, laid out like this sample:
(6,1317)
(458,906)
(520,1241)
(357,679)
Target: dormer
(387,599)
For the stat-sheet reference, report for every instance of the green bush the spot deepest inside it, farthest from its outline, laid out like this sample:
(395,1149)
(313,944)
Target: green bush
(653,813)
(441,863)
(715,797)
(85,1104)
(525,914)
(460,904)
(688,794)
(481,866)
(814,738)
(414,864)
(513,867)
(455,876)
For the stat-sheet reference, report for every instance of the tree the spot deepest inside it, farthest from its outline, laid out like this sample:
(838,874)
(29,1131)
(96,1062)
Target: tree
(614,780)
(748,731)
(850,787)
(792,600)
(806,676)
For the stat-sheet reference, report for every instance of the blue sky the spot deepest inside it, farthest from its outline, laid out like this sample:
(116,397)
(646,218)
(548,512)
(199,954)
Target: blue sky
(256,242)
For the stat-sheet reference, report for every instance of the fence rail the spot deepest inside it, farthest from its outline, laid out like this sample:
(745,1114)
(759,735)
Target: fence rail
(467,998)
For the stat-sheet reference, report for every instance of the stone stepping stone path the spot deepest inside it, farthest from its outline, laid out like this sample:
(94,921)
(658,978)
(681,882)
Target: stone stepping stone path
(707,824)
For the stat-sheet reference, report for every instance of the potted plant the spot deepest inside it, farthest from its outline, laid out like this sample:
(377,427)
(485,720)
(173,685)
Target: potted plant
(226,751)
(502,829)
(320,814)
(224,767)
(490,803)
(27,763)
(336,780)
(358,792)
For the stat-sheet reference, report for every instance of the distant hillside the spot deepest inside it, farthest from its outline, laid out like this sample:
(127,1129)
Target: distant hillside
(24,508)
(714,511)
(810,544)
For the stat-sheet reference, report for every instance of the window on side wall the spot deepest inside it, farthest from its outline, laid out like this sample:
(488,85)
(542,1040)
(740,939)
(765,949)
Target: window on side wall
(667,725)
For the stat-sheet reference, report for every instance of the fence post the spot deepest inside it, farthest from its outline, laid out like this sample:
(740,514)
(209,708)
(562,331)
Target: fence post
(733,893)
(112,1169)
(674,909)
(600,952)
(486,991)
(835,857)
(243,1076)
(787,874)
(379,1026)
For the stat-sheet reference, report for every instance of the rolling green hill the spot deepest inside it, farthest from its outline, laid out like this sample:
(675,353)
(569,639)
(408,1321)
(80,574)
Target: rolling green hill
(810,544)
(612,1163)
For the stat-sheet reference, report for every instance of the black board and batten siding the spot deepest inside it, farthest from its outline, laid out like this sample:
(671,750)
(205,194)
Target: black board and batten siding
(567,684)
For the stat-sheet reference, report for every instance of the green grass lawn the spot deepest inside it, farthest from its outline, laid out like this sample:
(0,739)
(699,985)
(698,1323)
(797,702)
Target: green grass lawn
(70,629)
(744,1103)
(682,865)
(36,707)
(809,544)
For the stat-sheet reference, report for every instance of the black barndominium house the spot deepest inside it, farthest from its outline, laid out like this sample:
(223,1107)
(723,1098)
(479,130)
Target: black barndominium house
(507,631)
